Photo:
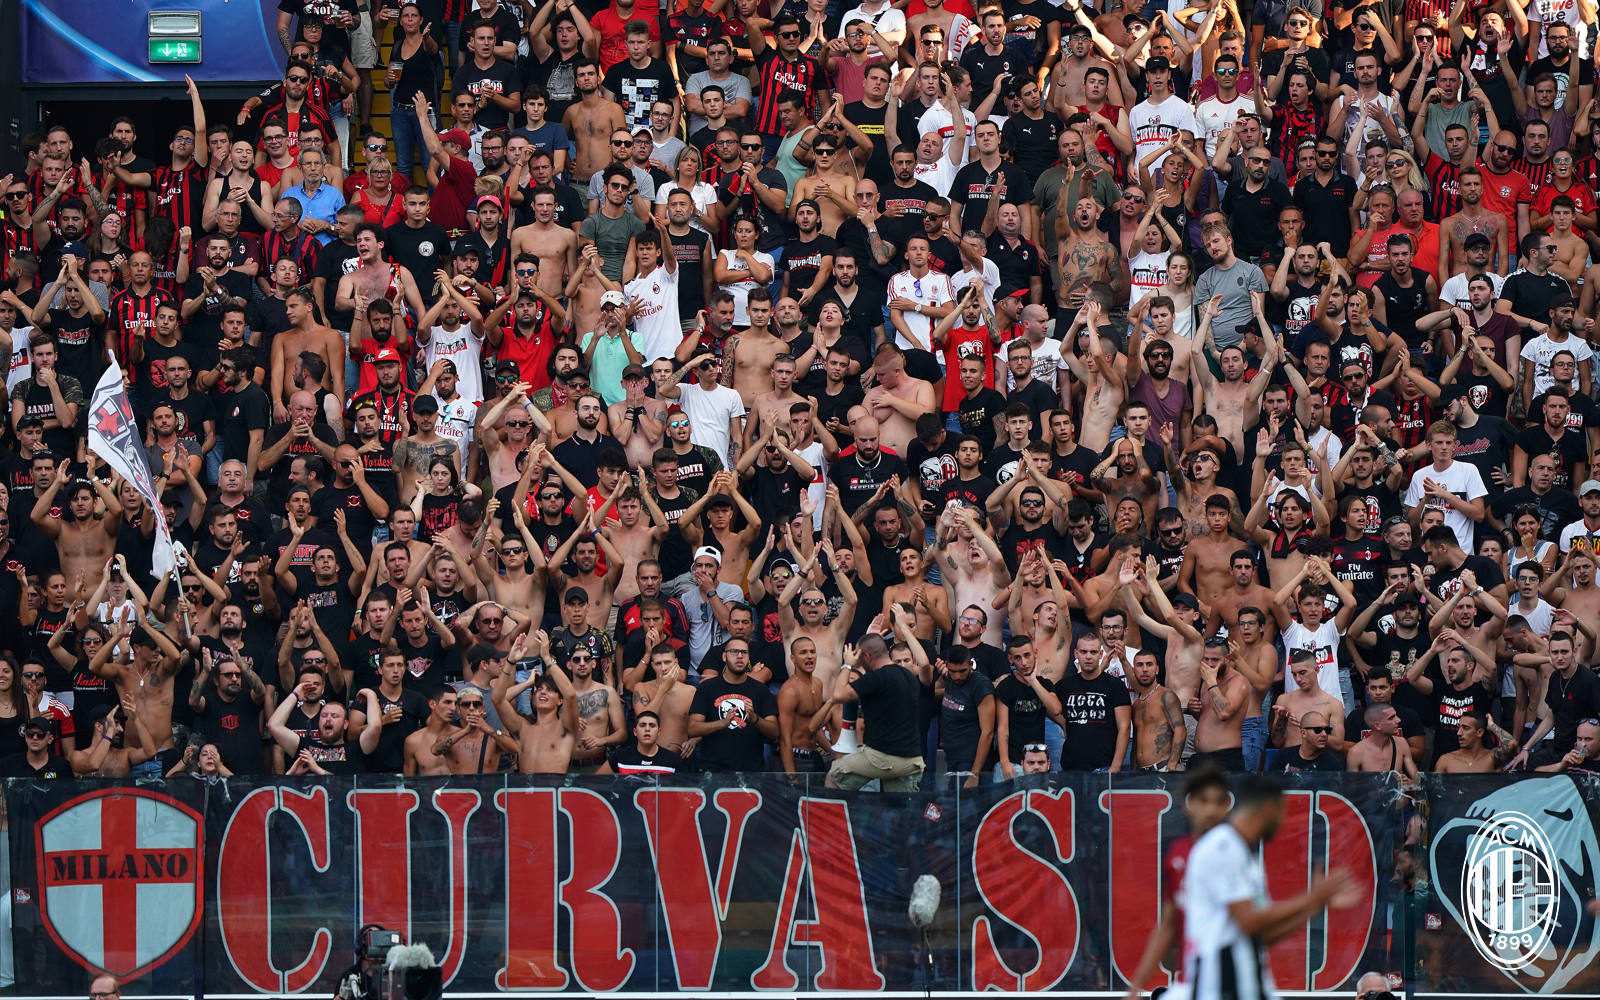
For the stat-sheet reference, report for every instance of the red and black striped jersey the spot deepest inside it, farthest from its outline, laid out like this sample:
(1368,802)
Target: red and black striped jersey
(1444,186)
(779,75)
(1538,174)
(165,272)
(301,247)
(124,199)
(1290,125)
(180,195)
(308,112)
(18,240)
(37,185)
(132,315)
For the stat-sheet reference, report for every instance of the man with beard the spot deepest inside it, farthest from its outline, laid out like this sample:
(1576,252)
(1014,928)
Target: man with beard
(904,199)
(401,711)
(247,411)
(389,399)
(78,323)
(331,751)
(226,715)
(1552,436)
(84,543)
(212,288)
(591,121)
(351,495)
(1085,257)
(732,714)
(1483,440)
(374,278)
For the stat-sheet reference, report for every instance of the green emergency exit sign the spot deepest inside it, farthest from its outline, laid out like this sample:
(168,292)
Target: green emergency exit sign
(174,50)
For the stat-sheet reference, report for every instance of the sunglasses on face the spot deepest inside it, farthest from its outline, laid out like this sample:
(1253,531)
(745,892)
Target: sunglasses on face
(750,145)
(551,496)
(33,677)
(519,423)
(1316,729)
(299,79)
(489,621)
(621,142)
(788,34)
(1505,149)
(526,272)
(812,601)
(677,423)
(1172,531)
(1227,72)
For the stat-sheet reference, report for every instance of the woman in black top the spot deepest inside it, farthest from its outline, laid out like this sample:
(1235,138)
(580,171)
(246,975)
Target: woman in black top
(437,506)
(12,711)
(412,70)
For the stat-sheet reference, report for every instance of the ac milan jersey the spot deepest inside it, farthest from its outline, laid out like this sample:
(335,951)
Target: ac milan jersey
(779,75)
(133,315)
(180,195)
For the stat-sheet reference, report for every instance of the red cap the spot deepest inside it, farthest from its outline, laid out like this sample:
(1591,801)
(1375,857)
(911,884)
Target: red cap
(386,354)
(457,136)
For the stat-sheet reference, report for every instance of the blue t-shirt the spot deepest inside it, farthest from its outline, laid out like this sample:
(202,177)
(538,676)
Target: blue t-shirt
(547,137)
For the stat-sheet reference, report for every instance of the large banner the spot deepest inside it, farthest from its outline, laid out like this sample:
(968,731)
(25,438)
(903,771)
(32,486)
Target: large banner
(108,41)
(238,887)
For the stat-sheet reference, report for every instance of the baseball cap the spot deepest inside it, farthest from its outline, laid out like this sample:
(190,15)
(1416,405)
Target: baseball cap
(634,371)
(483,651)
(1078,29)
(1157,64)
(425,403)
(491,199)
(507,365)
(1589,486)
(39,723)
(720,500)
(75,248)
(1187,600)
(30,421)
(643,130)
(467,250)
(612,298)
(1408,597)
(386,354)
(143,638)
(1563,301)
(1475,240)
(576,595)
(706,550)
(1009,291)
(456,136)
(1452,393)
(1132,19)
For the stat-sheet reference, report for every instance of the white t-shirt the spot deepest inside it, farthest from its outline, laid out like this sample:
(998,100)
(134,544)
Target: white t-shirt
(1386,104)
(1587,540)
(709,415)
(932,289)
(883,22)
(1215,117)
(1047,364)
(1153,124)
(991,281)
(1541,349)
(658,324)
(457,420)
(1462,479)
(1560,12)
(702,194)
(937,119)
(464,349)
(1324,642)
(818,487)
(1335,446)
(937,175)
(1222,870)
(1455,290)
(21,366)
(740,290)
(1540,617)
(1147,272)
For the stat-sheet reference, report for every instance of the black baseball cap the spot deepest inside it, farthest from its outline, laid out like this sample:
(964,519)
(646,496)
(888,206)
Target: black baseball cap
(1475,240)
(425,402)
(576,595)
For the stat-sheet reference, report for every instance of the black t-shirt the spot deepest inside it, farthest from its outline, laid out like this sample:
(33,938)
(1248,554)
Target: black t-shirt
(419,251)
(80,346)
(972,184)
(359,520)
(1487,444)
(1033,142)
(635,89)
(1447,707)
(322,10)
(770,491)
(425,664)
(1027,715)
(1089,708)
(1571,449)
(246,408)
(1019,539)
(192,412)
(278,484)
(1411,726)
(1487,398)
(804,259)
(933,467)
(341,758)
(857,482)
(889,697)
(977,413)
(204,329)
(1557,508)
(629,760)
(1571,700)
(499,79)
(334,261)
(958,712)
(1253,215)
(1037,37)
(1445,582)
(1530,294)
(739,747)
(17,766)
(1327,760)
(389,756)
(235,727)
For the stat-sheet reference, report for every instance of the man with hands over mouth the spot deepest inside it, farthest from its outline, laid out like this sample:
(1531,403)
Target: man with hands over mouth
(331,751)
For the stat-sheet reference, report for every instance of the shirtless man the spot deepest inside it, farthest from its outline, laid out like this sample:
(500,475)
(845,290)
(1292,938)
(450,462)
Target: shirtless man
(637,421)
(832,186)
(1177,623)
(930,600)
(718,504)
(555,246)
(1037,582)
(1159,729)
(304,334)
(374,279)
(1580,596)
(506,430)
(1472,218)
(1222,696)
(1085,257)
(1572,250)
(1234,402)
(1197,488)
(523,582)
(1383,748)
(971,566)
(829,638)
(600,717)
(1474,757)
(669,697)
(776,403)
(109,755)
(804,713)
(898,400)
(634,537)
(1207,570)
(1291,706)
(545,743)
(1245,590)
(1081,50)
(584,546)
(85,543)
(1104,387)
(753,351)
(419,755)
(590,123)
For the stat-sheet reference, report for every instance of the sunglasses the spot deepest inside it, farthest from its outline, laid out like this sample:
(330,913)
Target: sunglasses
(750,145)
(525,272)
(377,149)
(513,552)
(1227,72)
(580,386)
(788,34)
(299,79)
(1505,149)
(812,601)
(1259,159)
(489,621)
(1172,531)
(578,659)
(33,677)
(1396,163)
(519,423)
(1030,503)
(1316,729)
(677,423)
(552,496)
(1035,748)
(969,620)
(506,378)
(620,142)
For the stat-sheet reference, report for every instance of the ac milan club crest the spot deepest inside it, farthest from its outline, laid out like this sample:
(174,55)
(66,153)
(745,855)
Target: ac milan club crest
(120,874)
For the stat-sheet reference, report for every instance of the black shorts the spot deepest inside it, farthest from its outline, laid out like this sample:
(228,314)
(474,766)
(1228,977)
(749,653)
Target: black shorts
(811,761)
(1231,759)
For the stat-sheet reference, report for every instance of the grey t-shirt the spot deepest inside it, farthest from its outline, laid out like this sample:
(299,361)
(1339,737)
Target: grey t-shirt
(736,86)
(611,238)
(1234,285)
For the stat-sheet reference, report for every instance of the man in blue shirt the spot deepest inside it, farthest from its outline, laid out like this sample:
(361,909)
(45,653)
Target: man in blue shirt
(319,201)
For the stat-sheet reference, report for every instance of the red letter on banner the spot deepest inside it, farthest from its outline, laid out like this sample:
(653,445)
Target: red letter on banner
(1287,859)
(841,927)
(599,961)
(1135,876)
(383,854)
(1027,891)
(692,911)
(775,973)
(531,856)
(244,887)
(1350,848)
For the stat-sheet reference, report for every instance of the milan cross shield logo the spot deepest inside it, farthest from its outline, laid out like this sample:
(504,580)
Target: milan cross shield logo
(120,874)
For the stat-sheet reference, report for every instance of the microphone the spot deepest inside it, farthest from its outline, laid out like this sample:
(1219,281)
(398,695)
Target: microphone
(924,901)
(413,974)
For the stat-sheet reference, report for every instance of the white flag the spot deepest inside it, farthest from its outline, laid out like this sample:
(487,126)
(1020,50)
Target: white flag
(114,436)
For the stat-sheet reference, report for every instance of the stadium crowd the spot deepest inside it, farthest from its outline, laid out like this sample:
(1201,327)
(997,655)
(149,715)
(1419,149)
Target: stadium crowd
(737,386)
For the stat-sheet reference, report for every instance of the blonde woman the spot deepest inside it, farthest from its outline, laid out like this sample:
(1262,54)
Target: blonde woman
(686,177)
